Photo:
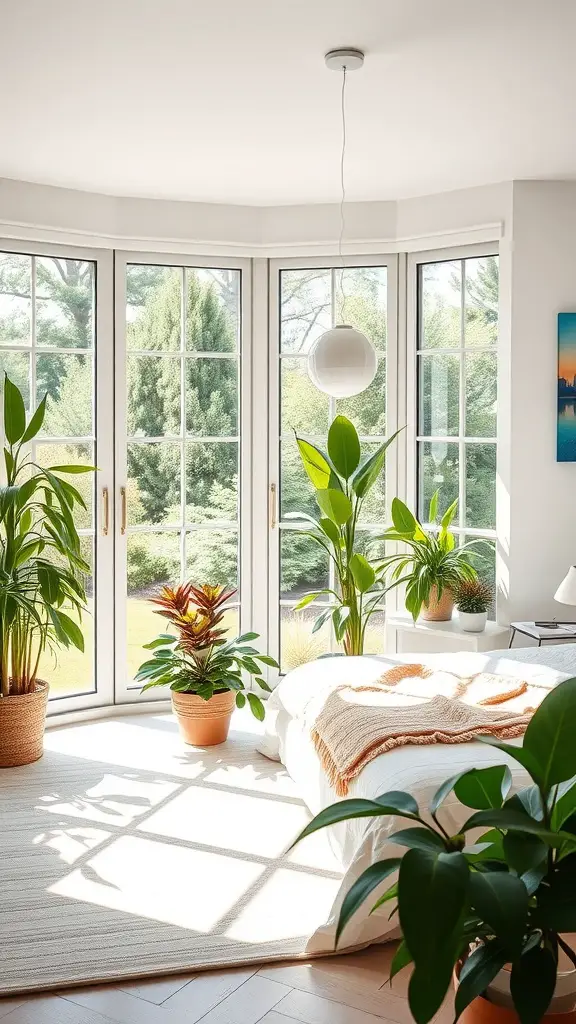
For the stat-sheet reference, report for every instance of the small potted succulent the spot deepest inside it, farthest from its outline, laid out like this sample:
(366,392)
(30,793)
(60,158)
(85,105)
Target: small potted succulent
(495,912)
(202,668)
(473,599)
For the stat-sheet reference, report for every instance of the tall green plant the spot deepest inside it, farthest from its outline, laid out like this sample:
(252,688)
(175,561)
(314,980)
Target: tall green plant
(342,481)
(41,566)
(508,896)
(432,559)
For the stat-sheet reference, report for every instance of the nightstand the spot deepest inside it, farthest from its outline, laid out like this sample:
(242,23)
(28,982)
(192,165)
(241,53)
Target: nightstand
(403,636)
(542,634)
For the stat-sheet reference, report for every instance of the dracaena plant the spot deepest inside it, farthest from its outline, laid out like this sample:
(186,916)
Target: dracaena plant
(432,561)
(41,566)
(197,658)
(479,903)
(342,479)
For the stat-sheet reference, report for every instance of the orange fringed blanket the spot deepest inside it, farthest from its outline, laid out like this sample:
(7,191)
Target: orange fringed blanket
(411,704)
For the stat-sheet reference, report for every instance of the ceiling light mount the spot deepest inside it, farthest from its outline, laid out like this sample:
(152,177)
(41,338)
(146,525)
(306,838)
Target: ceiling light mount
(345,58)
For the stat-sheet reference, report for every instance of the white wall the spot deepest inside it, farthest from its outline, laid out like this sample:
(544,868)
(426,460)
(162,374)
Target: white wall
(539,529)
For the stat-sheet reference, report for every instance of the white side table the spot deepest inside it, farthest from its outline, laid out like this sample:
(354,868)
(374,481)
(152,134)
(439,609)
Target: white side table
(403,636)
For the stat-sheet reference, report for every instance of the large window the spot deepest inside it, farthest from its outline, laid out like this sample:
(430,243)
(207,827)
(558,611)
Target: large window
(182,436)
(310,302)
(456,383)
(47,344)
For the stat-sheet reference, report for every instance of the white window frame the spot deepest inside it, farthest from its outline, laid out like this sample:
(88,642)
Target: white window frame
(396,453)
(103,400)
(414,262)
(123,691)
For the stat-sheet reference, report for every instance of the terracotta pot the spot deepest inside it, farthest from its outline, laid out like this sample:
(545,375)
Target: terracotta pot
(203,723)
(22,719)
(438,610)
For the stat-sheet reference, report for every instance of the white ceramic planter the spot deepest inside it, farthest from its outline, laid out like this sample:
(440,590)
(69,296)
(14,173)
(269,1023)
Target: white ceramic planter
(473,622)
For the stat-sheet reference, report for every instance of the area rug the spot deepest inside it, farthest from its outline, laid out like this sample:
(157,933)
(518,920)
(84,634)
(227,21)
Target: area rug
(126,854)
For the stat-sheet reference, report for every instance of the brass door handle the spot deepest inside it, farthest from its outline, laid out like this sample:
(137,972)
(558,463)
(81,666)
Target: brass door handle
(272,506)
(105,511)
(123,513)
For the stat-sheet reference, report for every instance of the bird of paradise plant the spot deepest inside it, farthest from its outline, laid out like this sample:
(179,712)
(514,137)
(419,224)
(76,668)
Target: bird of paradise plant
(197,658)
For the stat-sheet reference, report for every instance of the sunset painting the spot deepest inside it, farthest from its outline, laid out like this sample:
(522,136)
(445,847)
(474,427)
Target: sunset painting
(566,444)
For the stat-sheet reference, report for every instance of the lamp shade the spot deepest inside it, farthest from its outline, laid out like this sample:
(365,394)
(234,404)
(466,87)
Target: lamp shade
(566,593)
(342,362)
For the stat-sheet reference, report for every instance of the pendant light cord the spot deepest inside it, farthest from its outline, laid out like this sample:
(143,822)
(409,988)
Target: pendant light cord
(342,185)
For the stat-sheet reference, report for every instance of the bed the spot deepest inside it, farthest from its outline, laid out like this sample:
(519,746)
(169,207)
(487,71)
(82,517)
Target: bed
(291,711)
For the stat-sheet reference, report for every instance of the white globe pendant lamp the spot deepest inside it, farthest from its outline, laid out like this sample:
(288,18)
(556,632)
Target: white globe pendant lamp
(342,362)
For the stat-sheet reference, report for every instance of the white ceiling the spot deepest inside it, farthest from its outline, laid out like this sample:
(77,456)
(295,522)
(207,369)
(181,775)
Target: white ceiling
(229,101)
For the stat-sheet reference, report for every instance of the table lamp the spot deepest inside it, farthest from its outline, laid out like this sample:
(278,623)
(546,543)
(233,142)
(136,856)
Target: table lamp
(566,593)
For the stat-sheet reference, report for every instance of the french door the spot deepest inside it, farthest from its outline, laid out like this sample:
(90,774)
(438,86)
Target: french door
(56,339)
(182,450)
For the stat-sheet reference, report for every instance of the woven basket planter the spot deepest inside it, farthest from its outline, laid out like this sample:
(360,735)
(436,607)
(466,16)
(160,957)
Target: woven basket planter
(438,610)
(22,719)
(203,723)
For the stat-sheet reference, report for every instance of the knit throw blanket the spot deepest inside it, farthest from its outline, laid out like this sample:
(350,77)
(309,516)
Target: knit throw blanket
(411,704)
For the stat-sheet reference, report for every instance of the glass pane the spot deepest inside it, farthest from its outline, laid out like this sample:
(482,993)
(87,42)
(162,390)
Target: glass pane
(153,385)
(71,671)
(438,470)
(211,481)
(153,560)
(212,396)
(439,390)
(212,557)
(153,308)
(64,302)
(153,493)
(212,310)
(481,486)
(303,565)
(17,366)
(375,636)
(298,644)
(360,300)
(482,283)
(368,409)
(303,407)
(305,308)
(374,504)
(483,558)
(73,455)
(296,491)
(481,390)
(69,382)
(15,301)
(440,306)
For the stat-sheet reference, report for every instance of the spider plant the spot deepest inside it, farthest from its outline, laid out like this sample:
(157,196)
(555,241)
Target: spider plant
(432,564)
(41,566)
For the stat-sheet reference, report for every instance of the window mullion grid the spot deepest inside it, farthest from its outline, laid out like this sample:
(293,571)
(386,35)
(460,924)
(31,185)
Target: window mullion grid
(32,371)
(183,428)
(462,404)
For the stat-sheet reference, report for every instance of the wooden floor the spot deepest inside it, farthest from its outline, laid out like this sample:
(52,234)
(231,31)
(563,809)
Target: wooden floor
(350,989)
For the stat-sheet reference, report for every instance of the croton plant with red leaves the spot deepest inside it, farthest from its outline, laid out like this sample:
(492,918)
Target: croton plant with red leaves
(196,657)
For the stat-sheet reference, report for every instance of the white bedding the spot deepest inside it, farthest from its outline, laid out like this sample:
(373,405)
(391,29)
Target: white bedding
(291,711)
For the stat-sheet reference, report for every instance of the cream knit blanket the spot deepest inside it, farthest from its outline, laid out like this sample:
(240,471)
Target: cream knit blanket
(411,704)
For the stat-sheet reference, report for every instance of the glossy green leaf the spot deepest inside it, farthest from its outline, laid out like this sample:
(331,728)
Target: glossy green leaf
(524,851)
(433,509)
(400,960)
(520,754)
(369,880)
(240,699)
(362,573)
(500,899)
(478,970)
(404,521)
(367,474)
(72,630)
(256,706)
(532,984)
(389,803)
(528,801)
(565,804)
(335,505)
(390,894)
(14,412)
(73,469)
(316,465)
(449,514)
(343,446)
(418,839)
(482,788)
(549,738)
(331,531)
(36,421)
(557,901)
(508,818)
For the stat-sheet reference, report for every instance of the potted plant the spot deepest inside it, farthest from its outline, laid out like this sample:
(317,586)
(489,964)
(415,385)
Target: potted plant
(494,910)
(41,574)
(342,480)
(473,599)
(433,567)
(201,667)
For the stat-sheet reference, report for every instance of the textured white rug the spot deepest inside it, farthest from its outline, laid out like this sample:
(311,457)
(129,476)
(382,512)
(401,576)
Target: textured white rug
(127,854)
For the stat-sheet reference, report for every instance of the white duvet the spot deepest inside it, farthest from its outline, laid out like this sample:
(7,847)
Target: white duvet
(291,711)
